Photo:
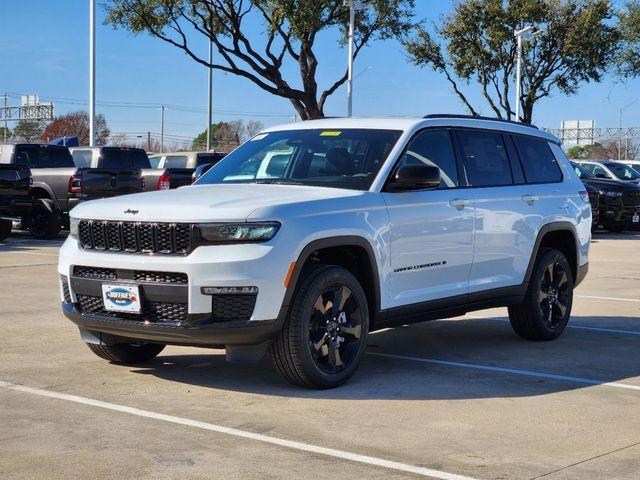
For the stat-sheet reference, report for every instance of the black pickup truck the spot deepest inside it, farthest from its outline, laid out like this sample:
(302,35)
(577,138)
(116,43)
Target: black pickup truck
(60,185)
(16,203)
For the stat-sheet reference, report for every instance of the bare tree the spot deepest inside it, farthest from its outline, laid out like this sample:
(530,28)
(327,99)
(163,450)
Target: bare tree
(287,34)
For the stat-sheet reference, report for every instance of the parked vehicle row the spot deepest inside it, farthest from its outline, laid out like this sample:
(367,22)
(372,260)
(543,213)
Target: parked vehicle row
(618,191)
(40,184)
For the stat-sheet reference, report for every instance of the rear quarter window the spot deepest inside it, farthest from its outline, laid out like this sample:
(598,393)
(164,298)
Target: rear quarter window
(538,162)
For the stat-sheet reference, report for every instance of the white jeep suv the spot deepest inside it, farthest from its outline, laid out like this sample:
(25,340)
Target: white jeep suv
(311,235)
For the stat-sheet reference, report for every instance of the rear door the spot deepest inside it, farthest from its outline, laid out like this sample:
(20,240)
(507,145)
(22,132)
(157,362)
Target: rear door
(504,230)
(431,231)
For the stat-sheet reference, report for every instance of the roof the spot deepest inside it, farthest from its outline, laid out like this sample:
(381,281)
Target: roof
(411,124)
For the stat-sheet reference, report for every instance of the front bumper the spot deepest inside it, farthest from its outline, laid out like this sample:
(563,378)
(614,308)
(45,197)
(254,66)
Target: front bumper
(617,215)
(221,335)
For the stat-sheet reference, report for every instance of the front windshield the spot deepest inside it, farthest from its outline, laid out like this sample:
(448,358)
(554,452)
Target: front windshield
(623,172)
(581,171)
(341,158)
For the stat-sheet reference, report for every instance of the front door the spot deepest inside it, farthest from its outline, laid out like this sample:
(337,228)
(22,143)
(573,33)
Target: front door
(431,231)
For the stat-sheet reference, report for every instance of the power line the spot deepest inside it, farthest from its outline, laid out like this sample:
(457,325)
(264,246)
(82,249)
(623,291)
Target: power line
(177,107)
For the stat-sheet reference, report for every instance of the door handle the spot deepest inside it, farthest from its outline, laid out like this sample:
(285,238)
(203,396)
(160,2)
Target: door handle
(530,198)
(459,203)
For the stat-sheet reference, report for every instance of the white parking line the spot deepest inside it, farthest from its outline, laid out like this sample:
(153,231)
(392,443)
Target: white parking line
(573,327)
(513,371)
(305,447)
(617,299)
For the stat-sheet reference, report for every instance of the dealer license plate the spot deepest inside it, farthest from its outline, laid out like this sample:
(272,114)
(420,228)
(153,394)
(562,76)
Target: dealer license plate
(121,298)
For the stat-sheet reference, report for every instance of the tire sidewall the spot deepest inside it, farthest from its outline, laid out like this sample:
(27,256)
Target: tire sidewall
(548,257)
(317,284)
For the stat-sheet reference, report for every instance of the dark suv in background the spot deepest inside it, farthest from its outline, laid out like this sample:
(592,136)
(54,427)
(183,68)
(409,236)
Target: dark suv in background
(619,204)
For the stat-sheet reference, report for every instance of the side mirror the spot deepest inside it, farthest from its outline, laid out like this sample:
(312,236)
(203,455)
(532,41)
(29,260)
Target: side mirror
(200,170)
(415,177)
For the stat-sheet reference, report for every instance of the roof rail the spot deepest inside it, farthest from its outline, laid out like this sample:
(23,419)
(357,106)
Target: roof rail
(477,117)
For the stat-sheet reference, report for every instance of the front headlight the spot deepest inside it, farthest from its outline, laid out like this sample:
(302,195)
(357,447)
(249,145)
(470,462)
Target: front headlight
(238,232)
(613,194)
(73,227)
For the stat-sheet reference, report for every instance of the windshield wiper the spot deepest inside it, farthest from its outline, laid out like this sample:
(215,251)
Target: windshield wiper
(277,182)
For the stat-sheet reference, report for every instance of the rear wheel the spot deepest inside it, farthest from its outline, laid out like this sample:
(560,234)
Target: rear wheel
(545,312)
(45,220)
(325,333)
(5,228)
(127,352)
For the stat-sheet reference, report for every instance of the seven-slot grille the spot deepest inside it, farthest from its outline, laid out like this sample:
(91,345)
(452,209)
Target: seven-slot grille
(136,237)
(631,199)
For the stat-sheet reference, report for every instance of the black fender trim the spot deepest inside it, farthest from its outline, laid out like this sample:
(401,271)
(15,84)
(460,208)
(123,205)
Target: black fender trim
(47,188)
(545,229)
(330,242)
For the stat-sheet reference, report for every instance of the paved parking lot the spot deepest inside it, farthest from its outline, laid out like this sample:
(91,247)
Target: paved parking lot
(448,399)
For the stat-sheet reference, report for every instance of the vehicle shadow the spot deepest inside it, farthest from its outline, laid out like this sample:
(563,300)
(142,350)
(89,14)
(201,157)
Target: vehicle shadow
(602,357)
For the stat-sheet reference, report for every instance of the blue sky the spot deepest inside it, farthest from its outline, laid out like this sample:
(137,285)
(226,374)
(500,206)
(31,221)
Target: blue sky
(44,50)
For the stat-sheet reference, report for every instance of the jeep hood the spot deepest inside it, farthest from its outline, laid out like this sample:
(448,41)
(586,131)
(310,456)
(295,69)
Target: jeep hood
(204,203)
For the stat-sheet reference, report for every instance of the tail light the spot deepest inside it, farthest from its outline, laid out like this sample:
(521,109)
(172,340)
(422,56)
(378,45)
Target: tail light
(584,195)
(30,187)
(75,183)
(164,182)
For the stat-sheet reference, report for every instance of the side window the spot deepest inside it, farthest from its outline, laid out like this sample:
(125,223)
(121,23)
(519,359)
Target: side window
(538,162)
(433,147)
(176,161)
(598,171)
(484,158)
(82,158)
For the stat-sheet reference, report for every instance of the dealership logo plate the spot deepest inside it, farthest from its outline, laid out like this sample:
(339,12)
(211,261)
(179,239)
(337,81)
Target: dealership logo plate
(121,298)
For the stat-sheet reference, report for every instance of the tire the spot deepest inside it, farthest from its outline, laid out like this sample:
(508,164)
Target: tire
(45,220)
(5,229)
(545,312)
(320,346)
(615,228)
(127,353)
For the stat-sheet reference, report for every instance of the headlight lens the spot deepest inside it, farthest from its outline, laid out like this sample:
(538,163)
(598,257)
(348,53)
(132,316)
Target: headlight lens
(613,194)
(238,232)
(73,227)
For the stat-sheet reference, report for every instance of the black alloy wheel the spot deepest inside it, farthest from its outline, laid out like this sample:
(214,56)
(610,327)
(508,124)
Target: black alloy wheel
(546,308)
(335,329)
(553,294)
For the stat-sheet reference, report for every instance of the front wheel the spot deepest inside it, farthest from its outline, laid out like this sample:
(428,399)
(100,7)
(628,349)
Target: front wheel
(5,228)
(545,312)
(127,353)
(45,221)
(325,334)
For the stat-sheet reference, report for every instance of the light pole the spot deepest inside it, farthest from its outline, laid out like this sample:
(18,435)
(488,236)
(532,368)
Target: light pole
(210,98)
(622,109)
(162,107)
(353,6)
(519,34)
(92,72)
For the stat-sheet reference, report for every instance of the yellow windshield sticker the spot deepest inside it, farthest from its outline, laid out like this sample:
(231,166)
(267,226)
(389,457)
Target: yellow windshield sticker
(330,133)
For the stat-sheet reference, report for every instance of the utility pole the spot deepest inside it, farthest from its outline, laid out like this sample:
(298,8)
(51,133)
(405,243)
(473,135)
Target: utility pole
(149,141)
(4,114)
(162,107)
(210,98)
(92,72)
(519,34)
(353,6)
